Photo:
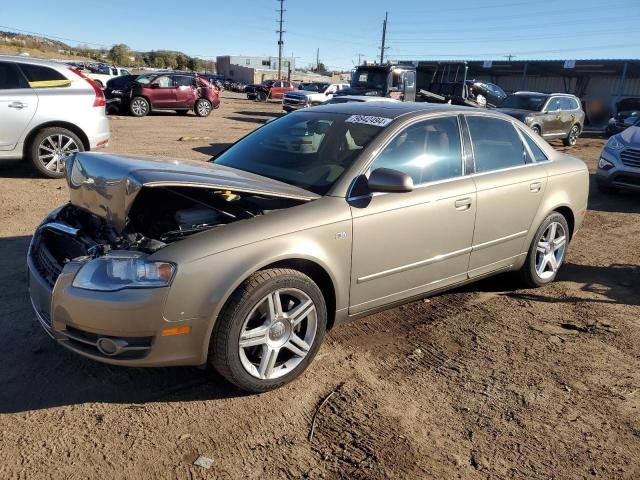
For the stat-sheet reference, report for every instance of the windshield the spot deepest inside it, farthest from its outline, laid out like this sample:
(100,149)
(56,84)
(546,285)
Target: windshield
(364,78)
(310,150)
(524,102)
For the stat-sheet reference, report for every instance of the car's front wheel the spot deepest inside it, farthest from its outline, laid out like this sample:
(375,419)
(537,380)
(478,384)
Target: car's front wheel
(50,148)
(572,137)
(269,330)
(139,106)
(202,107)
(536,129)
(547,251)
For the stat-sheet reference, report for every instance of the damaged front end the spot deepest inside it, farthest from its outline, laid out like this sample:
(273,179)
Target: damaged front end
(99,252)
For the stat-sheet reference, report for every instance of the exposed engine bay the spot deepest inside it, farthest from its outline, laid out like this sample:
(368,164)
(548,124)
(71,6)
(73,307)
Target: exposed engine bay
(162,215)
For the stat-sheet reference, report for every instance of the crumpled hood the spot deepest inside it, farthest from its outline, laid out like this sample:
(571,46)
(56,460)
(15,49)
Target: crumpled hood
(631,135)
(516,112)
(107,185)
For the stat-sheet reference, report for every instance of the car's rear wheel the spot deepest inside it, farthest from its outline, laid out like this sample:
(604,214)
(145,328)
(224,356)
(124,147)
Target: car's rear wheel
(139,106)
(572,136)
(49,149)
(547,251)
(202,107)
(269,330)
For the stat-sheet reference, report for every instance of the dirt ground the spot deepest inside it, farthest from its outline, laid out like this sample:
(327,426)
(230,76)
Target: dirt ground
(491,381)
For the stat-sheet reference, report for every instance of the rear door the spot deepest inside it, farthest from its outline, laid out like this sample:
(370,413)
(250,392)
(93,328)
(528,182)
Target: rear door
(186,92)
(509,185)
(277,91)
(405,244)
(18,105)
(569,109)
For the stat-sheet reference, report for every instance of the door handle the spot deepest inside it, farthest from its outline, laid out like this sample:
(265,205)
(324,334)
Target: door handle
(17,105)
(535,187)
(463,204)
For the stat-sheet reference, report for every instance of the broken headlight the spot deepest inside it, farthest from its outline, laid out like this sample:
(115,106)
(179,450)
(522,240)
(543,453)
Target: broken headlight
(120,269)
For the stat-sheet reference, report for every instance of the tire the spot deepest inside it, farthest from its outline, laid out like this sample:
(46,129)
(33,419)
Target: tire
(48,149)
(572,136)
(202,107)
(261,97)
(246,313)
(537,130)
(533,273)
(182,112)
(139,106)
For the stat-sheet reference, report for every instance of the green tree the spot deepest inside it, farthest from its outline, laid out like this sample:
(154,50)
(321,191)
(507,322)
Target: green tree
(119,54)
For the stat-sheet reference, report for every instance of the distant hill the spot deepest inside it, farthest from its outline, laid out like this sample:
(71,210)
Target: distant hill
(38,46)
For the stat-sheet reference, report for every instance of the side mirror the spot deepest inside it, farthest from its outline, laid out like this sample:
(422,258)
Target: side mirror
(388,180)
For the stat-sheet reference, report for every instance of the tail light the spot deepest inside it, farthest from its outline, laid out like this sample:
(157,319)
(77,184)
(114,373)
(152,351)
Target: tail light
(99,100)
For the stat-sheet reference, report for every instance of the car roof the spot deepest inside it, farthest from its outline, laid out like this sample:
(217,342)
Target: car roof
(389,109)
(33,61)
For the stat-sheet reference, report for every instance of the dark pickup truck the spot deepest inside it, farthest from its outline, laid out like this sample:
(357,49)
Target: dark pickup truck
(424,82)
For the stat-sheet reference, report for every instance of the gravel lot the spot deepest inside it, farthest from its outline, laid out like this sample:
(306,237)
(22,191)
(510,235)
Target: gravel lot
(490,381)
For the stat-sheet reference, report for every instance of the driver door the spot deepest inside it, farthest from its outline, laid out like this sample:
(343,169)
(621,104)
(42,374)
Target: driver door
(406,244)
(163,92)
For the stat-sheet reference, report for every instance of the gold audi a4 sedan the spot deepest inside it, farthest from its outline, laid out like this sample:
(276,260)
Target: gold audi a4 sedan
(317,218)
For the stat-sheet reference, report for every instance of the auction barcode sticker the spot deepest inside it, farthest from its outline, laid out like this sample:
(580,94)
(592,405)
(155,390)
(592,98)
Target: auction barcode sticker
(369,120)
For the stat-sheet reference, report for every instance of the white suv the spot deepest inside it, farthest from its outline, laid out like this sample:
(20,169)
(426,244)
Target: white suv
(47,112)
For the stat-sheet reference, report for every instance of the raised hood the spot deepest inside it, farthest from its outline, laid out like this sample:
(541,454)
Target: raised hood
(107,185)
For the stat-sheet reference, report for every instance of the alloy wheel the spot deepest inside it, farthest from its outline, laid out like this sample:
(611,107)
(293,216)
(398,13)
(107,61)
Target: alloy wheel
(550,250)
(139,107)
(53,150)
(204,108)
(278,333)
(573,135)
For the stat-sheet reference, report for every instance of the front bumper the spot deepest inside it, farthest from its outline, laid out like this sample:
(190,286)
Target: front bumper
(85,321)
(624,174)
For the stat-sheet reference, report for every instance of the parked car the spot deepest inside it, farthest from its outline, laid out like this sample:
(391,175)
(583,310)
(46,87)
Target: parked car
(551,115)
(312,94)
(627,115)
(115,89)
(317,218)
(101,74)
(165,91)
(48,111)
(619,164)
(268,89)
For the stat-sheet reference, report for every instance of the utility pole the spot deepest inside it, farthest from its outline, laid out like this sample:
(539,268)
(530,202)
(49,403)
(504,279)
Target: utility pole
(359,57)
(509,57)
(384,37)
(318,60)
(280,42)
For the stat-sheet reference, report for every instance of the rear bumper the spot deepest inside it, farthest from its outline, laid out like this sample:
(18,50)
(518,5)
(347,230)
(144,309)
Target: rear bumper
(99,132)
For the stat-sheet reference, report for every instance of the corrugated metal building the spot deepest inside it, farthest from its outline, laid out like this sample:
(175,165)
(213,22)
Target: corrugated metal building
(600,84)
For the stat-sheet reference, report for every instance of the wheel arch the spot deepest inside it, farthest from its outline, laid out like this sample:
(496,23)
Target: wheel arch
(54,123)
(569,216)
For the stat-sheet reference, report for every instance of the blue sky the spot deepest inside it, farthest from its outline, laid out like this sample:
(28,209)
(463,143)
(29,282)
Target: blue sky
(465,29)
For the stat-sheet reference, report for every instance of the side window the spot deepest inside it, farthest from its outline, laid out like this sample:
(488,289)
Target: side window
(553,105)
(427,151)
(164,82)
(496,144)
(124,72)
(568,103)
(39,76)
(538,154)
(184,81)
(10,77)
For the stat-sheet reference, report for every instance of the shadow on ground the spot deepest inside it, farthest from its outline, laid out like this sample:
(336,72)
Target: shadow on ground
(38,373)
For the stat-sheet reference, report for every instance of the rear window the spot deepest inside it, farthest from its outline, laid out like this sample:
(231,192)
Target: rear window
(40,76)
(538,154)
(10,77)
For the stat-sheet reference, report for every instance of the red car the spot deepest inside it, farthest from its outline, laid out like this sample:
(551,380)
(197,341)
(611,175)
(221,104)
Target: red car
(169,91)
(269,89)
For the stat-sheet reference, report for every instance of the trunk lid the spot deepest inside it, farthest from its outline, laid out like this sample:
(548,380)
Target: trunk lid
(107,185)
